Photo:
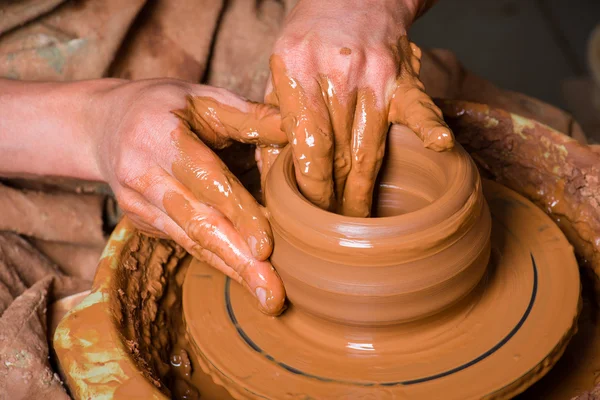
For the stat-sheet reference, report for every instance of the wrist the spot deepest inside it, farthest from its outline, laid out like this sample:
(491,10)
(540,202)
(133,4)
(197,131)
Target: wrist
(98,114)
(87,117)
(394,17)
(48,128)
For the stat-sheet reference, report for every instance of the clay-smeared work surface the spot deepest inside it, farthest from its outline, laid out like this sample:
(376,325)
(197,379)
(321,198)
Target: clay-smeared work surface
(553,170)
(495,342)
(427,247)
(125,340)
(518,152)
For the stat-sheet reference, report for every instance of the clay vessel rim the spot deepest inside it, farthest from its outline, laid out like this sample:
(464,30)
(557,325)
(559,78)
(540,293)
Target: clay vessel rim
(329,218)
(387,245)
(358,233)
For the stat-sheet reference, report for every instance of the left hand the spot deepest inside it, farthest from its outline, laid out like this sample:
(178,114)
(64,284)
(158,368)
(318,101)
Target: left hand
(154,142)
(342,71)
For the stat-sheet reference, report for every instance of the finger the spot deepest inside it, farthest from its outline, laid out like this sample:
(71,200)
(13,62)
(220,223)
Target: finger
(270,94)
(145,228)
(176,233)
(139,211)
(170,229)
(201,171)
(205,233)
(259,277)
(306,123)
(368,146)
(411,106)
(144,215)
(212,232)
(341,114)
(266,156)
(415,59)
(217,122)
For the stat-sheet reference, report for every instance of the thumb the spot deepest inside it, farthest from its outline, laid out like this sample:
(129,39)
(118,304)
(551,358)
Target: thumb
(412,107)
(220,116)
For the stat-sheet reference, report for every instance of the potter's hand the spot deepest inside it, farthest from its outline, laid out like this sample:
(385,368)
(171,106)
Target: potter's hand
(342,71)
(156,153)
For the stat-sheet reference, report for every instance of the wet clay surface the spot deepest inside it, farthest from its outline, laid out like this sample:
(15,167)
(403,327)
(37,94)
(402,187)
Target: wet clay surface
(553,170)
(338,132)
(223,224)
(378,271)
(132,321)
(578,370)
(580,364)
(480,347)
(59,309)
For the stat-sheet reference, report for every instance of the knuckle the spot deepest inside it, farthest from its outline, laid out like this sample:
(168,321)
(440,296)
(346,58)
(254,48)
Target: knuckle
(295,46)
(202,229)
(364,161)
(383,62)
(342,163)
(163,89)
(124,173)
(130,205)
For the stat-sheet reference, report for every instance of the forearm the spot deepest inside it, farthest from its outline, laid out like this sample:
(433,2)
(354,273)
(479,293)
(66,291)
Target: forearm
(400,12)
(49,128)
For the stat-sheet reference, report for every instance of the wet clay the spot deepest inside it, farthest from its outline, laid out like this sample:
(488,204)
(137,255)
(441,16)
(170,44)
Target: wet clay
(428,254)
(485,136)
(577,370)
(553,170)
(59,309)
(310,136)
(215,217)
(494,343)
(132,321)
(338,134)
(340,336)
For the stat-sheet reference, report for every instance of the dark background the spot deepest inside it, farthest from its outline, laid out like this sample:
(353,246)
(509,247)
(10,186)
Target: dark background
(531,46)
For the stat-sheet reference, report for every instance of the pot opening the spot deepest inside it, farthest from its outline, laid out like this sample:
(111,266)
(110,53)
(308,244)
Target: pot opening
(390,200)
(405,185)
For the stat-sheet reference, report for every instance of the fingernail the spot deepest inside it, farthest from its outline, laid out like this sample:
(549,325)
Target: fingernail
(261,295)
(260,247)
(253,245)
(196,252)
(265,212)
(440,140)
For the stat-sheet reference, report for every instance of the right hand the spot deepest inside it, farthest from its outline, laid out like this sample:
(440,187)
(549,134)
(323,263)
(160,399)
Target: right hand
(155,149)
(339,84)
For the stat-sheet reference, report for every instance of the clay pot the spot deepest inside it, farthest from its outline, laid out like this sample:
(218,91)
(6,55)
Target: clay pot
(427,247)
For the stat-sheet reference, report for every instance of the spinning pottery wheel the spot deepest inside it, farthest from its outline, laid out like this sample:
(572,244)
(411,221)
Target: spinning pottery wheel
(488,338)
(409,315)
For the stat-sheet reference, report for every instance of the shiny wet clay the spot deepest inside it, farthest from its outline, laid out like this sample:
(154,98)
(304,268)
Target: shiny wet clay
(428,249)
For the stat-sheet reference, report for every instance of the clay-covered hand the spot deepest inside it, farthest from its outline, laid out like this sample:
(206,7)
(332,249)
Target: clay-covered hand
(341,72)
(156,151)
